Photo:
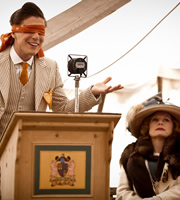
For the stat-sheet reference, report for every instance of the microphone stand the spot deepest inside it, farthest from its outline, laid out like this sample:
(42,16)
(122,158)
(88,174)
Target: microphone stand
(77,79)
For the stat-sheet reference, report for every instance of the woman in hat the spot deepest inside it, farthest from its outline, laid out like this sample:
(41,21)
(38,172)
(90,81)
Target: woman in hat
(150,167)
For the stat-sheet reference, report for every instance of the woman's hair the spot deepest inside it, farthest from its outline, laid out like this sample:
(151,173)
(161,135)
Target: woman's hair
(144,130)
(29,9)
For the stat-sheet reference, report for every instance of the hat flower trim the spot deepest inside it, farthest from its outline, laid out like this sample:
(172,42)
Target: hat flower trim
(132,112)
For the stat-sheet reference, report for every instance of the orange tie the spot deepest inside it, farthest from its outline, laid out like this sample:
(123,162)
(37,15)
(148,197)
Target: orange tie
(24,73)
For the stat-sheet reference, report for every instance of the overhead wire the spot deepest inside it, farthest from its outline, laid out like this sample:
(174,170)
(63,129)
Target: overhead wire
(136,43)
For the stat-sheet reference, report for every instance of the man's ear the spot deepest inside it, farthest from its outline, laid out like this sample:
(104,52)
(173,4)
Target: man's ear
(13,35)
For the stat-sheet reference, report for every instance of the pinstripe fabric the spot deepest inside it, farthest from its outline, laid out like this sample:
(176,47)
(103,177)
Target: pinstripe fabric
(46,77)
(20,98)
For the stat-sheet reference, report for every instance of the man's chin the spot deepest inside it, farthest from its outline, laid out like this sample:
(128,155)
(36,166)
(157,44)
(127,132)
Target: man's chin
(33,53)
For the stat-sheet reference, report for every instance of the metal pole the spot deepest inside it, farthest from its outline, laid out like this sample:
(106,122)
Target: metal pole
(77,78)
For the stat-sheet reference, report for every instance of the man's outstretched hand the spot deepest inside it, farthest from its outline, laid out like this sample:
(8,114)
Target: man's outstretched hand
(102,88)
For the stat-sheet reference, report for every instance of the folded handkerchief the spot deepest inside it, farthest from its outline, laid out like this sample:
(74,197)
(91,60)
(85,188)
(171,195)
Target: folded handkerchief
(48,98)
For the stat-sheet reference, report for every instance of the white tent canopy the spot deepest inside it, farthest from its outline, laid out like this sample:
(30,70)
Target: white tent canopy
(108,40)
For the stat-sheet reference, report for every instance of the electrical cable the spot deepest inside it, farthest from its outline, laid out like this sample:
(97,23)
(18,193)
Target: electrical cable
(136,43)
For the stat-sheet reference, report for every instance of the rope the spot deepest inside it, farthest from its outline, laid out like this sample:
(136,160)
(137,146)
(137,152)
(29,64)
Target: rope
(135,44)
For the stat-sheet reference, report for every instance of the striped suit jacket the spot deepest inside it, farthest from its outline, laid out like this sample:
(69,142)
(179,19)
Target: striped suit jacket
(47,77)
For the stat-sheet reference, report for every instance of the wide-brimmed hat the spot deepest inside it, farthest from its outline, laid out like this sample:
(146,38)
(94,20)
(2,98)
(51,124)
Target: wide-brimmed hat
(138,113)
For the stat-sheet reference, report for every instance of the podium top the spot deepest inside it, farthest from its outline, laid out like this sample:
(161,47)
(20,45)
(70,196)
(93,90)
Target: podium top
(52,121)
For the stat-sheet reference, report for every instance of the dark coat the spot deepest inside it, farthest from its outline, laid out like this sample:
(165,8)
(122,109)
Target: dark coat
(133,160)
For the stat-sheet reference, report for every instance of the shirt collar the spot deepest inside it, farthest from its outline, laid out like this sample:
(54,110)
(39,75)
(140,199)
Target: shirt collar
(16,59)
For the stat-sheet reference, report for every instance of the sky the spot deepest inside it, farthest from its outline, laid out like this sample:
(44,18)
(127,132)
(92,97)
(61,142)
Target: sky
(110,39)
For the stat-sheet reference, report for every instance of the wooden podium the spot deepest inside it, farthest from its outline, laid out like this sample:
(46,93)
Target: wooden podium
(50,156)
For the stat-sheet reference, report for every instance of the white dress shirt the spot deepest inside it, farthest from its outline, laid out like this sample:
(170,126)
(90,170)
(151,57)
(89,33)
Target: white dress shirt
(17,60)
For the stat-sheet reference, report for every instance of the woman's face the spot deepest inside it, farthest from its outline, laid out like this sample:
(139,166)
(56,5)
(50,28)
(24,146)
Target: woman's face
(161,125)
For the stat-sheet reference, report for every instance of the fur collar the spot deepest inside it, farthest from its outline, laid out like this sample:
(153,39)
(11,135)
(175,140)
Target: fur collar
(143,147)
(171,154)
(133,162)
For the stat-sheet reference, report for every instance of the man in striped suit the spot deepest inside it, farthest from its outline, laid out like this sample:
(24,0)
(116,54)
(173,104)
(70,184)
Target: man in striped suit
(24,44)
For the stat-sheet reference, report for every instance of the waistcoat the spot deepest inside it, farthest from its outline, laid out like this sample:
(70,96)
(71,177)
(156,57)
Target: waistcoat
(21,98)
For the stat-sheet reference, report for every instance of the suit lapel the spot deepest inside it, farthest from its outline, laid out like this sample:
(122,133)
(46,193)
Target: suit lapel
(5,74)
(42,80)
(42,77)
(163,186)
